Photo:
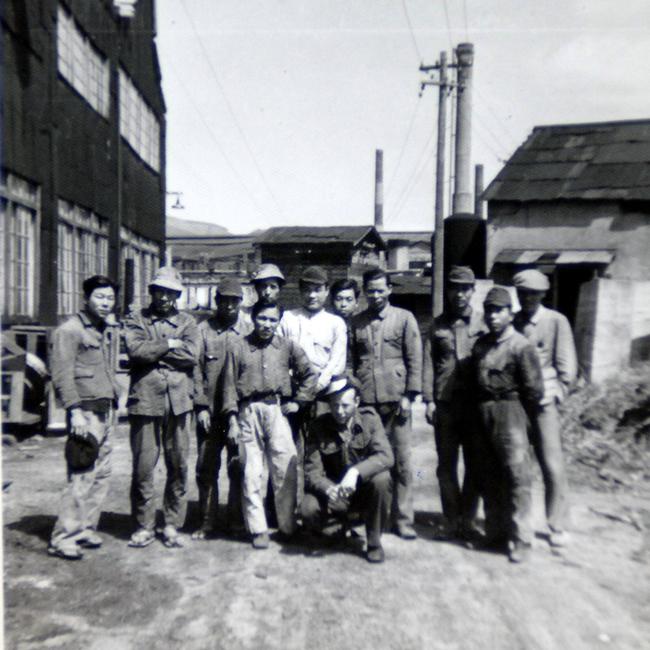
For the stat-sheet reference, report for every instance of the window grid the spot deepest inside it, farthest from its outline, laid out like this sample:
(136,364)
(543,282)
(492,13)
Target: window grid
(81,64)
(138,123)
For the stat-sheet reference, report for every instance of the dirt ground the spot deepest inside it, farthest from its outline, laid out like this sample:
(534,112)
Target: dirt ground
(223,594)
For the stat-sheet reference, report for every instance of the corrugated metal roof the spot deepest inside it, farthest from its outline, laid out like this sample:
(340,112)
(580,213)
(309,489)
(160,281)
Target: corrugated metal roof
(555,256)
(317,235)
(609,160)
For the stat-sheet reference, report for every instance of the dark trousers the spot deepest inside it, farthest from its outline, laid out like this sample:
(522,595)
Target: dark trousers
(371,500)
(457,427)
(506,471)
(210,446)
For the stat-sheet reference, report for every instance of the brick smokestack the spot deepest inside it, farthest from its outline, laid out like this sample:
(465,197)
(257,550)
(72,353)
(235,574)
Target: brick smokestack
(462,165)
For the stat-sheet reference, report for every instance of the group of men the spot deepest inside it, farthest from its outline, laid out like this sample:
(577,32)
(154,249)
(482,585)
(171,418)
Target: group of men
(319,401)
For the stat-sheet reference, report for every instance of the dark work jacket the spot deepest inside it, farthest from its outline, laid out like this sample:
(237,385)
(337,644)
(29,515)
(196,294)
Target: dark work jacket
(328,457)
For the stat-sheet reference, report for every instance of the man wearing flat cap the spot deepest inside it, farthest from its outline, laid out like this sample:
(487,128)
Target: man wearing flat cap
(83,362)
(216,337)
(162,344)
(347,465)
(550,333)
(508,387)
(447,392)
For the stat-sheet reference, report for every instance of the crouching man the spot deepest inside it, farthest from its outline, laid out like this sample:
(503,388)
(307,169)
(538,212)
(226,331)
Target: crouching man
(347,463)
(84,365)
(267,377)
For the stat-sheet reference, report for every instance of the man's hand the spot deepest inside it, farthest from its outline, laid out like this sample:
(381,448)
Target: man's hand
(348,485)
(233,430)
(203,419)
(430,412)
(404,407)
(78,424)
(174,344)
(289,407)
(335,500)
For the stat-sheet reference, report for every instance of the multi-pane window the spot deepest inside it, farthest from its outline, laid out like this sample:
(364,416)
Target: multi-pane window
(83,252)
(19,230)
(138,123)
(81,64)
(144,256)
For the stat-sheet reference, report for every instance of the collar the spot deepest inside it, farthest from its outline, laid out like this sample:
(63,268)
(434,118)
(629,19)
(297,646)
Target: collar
(506,334)
(534,319)
(171,318)
(380,314)
(466,316)
(237,327)
(256,343)
(354,429)
(310,314)
(89,322)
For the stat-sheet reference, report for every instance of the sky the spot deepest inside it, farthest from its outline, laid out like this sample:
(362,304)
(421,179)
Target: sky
(275,107)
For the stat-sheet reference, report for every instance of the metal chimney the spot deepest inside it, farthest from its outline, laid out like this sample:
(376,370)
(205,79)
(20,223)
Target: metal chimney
(379,189)
(463,202)
(478,191)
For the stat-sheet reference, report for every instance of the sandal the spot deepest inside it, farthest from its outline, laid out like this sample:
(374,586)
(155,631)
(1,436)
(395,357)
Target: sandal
(141,538)
(171,538)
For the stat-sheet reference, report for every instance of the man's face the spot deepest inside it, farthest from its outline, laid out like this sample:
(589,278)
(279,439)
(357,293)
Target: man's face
(268,291)
(459,296)
(100,302)
(266,322)
(313,295)
(163,300)
(345,303)
(530,300)
(497,318)
(377,292)
(343,405)
(228,308)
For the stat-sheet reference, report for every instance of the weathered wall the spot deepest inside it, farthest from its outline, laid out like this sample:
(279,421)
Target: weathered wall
(574,225)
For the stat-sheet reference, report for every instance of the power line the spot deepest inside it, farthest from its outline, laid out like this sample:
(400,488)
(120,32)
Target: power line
(220,149)
(487,103)
(415,180)
(451,44)
(231,110)
(408,21)
(393,176)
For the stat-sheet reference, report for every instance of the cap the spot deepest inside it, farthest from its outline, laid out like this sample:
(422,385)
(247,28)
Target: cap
(230,287)
(531,279)
(266,272)
(315,275)
(461,275)
(81,453)
(339,383)
(499,297)
(167,277)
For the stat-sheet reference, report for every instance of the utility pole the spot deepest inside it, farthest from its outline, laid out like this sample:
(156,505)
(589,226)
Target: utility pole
(437,241)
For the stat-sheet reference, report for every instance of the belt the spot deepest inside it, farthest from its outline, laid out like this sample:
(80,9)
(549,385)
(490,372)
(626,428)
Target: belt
(269,398)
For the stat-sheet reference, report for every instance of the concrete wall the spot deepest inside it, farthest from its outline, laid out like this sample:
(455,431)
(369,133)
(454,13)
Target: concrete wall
(574,225)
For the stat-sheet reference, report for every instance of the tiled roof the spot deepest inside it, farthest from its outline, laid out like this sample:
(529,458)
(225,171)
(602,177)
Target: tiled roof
(607,160)
(316,234)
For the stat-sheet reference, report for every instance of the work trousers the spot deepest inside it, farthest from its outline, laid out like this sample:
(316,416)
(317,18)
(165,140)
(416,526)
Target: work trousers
(85,491)
(506,470)
(457,427)
(210,446)
(546,440)
(148,435)
(398,431)
(266,445)
(371,501)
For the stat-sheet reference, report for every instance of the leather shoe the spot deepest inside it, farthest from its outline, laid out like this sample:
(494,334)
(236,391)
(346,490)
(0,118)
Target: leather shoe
(375,554)
(406,531)
(90,539)
(519,552)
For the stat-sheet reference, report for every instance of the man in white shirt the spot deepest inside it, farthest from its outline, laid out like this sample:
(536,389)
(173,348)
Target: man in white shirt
(323,336)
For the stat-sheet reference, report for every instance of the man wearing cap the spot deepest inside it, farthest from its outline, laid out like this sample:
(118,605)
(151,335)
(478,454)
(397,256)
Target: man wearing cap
(323,336)
(267,377)
(162,344)
(550,333)
(216,336)
(83,362)
(387,360)
(447,391)
(268,281)
(347,465)
(508,387)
